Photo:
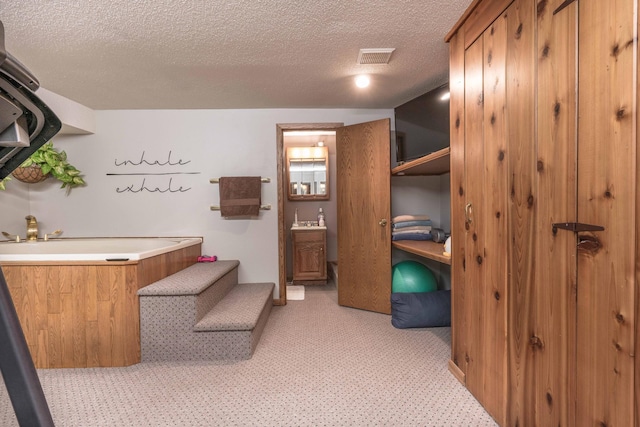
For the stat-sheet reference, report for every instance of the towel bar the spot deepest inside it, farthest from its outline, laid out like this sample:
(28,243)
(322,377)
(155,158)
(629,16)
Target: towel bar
(217,180)
(262,208)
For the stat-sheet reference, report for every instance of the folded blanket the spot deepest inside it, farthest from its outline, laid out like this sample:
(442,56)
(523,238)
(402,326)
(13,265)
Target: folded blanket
(400,218)
(416,228)
(412,236)
(404,224)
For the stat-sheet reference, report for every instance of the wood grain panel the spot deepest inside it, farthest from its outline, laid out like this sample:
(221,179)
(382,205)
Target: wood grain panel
(476,19)
(606,169)
(637,239)
(482,17)
(571,314)
(521,67)
(474,239)
(82,315)
(457,135)
(494,221)
(553,393)
(363,151)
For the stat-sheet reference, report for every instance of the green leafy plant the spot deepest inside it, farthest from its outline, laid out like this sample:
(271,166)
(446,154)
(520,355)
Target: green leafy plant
(52,162)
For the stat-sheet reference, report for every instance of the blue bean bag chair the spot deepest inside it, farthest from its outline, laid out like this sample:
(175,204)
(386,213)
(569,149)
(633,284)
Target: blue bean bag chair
(421,309)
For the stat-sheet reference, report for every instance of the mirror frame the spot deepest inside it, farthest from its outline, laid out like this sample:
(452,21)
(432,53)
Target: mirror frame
(309,197)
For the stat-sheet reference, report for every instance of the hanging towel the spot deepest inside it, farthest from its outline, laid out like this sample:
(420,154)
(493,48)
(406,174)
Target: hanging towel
(240,196)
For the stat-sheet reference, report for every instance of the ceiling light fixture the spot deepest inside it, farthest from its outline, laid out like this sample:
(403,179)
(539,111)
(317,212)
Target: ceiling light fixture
(362,81)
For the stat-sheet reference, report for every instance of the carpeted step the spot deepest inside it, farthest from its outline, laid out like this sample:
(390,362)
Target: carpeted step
(197,280)
(202,313)
(239,310)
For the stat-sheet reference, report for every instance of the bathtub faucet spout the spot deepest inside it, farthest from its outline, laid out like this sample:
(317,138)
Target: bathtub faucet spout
(32,227)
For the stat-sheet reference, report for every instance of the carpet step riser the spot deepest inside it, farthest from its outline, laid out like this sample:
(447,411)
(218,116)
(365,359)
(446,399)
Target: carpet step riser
(177,342)
(206,300)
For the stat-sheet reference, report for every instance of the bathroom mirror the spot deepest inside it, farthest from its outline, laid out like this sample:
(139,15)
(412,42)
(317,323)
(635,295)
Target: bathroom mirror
(308,173)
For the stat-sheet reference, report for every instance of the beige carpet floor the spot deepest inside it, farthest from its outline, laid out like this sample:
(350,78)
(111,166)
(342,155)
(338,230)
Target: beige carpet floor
(317,364)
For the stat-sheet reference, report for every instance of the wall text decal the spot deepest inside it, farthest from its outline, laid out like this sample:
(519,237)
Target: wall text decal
(143,187)
(153,163)
(164,185)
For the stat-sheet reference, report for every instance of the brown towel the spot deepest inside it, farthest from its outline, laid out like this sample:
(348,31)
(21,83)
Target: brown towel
(240,196)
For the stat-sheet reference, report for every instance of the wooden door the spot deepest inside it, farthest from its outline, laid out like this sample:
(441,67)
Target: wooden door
(607,196)
(486,216)
(547,396)
(364,209)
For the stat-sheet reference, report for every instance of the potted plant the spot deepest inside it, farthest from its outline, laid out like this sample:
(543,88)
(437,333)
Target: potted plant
(46,161)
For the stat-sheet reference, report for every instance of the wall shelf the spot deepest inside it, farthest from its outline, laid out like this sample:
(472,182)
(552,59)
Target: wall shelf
(436,163)
(426,249)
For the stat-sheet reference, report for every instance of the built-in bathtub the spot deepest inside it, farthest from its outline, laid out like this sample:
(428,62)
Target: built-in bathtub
(77,298)
(93,249)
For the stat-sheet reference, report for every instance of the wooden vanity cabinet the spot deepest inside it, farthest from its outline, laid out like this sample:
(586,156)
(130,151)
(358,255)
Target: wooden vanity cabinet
(309,256)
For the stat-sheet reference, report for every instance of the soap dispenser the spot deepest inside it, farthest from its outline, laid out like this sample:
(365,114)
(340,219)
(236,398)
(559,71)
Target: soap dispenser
(295,218)
(321,218)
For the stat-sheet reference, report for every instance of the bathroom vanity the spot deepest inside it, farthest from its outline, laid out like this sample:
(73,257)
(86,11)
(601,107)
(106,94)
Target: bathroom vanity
(309,255)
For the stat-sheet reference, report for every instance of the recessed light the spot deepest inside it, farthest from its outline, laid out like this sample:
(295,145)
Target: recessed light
(445,96)
(362,81)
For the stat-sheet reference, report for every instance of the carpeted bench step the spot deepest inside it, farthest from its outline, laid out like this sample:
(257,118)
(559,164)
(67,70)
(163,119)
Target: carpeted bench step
(202,313)
(240,309)
(190,281)
(206,283)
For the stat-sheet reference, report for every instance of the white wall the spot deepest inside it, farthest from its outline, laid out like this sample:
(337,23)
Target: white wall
(209,143)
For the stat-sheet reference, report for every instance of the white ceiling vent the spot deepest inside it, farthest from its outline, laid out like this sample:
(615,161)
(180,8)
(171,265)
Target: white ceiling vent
(375,56)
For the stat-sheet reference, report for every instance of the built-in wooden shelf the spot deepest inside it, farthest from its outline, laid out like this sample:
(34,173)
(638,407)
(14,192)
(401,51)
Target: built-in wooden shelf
(436,163)
(424,248)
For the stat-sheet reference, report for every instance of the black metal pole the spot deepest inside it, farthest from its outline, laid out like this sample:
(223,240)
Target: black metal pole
(20,376)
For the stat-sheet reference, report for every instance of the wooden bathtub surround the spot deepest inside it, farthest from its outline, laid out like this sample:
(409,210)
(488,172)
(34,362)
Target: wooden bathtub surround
(86,314)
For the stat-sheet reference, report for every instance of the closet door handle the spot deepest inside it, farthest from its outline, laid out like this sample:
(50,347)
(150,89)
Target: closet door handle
(383,222)
(468,211)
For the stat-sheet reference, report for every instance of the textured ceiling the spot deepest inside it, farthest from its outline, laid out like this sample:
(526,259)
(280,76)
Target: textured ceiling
(174,54)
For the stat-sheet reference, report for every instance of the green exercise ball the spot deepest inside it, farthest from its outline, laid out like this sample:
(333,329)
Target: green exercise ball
(412,276)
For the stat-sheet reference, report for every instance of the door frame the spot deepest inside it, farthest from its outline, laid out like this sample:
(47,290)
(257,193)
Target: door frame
(282,173)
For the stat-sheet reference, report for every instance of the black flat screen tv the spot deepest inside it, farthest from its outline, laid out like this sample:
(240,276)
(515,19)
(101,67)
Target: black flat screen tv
(422,125)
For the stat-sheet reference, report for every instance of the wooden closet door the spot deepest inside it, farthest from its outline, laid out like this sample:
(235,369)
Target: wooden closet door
(364,210)
(552,322)
(607,194)
(474,302)
(486,210)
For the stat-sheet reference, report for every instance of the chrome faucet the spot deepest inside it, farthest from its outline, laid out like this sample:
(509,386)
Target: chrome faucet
(32,227)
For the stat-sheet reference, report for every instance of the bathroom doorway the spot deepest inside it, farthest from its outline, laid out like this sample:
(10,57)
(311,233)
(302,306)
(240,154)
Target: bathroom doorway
(304,135)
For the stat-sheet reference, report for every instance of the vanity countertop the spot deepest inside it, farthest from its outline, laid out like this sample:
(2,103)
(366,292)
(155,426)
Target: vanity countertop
(302,227)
